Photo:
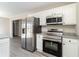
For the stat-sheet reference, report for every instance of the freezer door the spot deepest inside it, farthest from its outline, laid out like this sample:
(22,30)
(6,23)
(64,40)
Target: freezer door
(30,35)
(23,43)
(30,44)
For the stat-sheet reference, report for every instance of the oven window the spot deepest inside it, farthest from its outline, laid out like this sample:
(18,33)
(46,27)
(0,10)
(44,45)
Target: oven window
(51,45)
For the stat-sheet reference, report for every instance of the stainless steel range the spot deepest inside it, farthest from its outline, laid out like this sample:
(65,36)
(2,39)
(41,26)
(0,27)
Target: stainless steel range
(52,42)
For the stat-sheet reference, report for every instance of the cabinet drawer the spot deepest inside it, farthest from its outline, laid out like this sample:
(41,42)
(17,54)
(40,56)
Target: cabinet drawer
(4,42)
(4,51)
(68,40)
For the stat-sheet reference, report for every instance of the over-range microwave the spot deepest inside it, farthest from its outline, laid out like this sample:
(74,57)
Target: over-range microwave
(54,20)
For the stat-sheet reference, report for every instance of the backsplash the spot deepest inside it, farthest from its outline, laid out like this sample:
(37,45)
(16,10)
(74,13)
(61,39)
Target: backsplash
(66,28)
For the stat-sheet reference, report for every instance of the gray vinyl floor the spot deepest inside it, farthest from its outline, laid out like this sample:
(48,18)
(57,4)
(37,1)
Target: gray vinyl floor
(17,51)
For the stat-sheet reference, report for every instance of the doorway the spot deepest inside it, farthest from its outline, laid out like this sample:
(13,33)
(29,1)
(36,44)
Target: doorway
(16,28)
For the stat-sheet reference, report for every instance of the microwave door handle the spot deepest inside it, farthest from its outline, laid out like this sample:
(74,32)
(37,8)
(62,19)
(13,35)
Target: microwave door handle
(56,20)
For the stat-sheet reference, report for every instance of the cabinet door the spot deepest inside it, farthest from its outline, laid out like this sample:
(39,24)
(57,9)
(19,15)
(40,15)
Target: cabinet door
(70,48)
(43,20)
(4,51)
(69,14)
(39,42)
(4,47)
(57,10)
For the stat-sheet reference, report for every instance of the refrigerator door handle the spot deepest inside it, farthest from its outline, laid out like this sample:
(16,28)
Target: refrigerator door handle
(23,31)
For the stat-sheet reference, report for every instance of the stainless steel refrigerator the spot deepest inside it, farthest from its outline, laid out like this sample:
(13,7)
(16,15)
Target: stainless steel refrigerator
(30,27)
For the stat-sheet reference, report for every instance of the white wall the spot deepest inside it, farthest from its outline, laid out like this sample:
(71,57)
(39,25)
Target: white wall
(4,26)
(66,28)
(11,27)
(77,27)
(20,27)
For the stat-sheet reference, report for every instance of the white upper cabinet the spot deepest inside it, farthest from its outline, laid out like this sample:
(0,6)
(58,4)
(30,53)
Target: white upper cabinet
(69,14)
(43,20)
(57,11)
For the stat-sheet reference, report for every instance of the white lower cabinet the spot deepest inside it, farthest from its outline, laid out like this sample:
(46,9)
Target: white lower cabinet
(70,47)
(4,51)
(39,42)
(4,47)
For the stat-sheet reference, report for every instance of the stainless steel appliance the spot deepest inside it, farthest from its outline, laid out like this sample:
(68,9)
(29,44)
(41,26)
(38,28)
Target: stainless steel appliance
(53,20)
(30,27)
(52,42)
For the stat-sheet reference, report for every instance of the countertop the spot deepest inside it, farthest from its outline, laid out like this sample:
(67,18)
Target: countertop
(67,35)
(70,35)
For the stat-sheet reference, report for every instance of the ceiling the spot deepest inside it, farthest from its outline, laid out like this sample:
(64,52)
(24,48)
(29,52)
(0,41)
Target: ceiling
(9,9)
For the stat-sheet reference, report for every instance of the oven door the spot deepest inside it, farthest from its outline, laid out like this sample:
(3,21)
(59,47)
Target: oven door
(52,47)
